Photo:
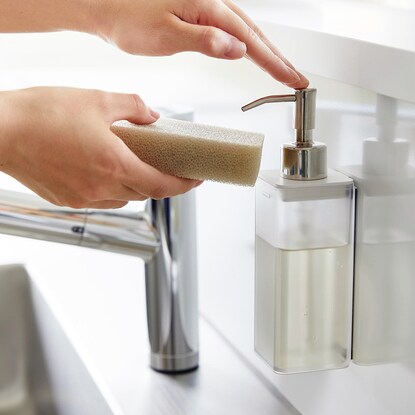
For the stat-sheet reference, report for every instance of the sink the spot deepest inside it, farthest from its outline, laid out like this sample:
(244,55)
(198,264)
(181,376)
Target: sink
(40,371)
(63,354)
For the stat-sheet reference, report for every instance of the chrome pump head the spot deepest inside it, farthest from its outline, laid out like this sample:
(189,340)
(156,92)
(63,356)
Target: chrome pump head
(303,159)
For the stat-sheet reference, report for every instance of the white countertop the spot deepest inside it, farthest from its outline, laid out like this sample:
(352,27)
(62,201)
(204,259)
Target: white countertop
(359,20)
(362,44)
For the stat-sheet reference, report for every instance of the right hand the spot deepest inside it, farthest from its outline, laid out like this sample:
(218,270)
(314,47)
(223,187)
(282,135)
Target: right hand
(217,28)
(57,142)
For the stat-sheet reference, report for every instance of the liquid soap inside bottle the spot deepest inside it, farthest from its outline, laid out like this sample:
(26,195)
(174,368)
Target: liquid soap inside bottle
(303,278)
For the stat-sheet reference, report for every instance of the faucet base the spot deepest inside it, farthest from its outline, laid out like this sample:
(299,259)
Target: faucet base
(174,364)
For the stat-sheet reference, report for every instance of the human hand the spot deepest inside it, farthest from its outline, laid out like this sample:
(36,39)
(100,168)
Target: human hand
(216,28)
(57,142)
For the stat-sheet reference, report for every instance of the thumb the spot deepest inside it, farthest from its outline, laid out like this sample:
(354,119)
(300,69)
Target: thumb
(210,41)
(132,108)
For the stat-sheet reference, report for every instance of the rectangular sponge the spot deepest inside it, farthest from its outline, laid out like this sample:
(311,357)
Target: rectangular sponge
(195,151)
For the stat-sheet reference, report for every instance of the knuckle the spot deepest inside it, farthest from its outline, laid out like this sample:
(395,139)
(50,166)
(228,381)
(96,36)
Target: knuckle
(197,5)
(215,7)
(137,102)
(251,33)
(267,64)
(210,39)
(258,32)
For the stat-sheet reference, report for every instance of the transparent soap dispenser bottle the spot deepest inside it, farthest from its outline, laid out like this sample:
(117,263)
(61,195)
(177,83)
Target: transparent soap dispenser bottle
(304,253)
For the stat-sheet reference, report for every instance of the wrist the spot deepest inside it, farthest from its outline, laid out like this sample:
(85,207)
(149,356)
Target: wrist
(5,129)
(102,14)
(80,15)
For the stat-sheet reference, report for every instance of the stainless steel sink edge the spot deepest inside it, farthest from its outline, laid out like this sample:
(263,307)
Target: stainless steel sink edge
(44,369)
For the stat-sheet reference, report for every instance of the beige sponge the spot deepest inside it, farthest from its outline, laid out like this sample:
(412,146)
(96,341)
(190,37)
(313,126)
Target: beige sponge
(195,151)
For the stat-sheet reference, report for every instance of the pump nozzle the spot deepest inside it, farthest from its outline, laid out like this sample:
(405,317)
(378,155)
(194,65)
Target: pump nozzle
(303,159)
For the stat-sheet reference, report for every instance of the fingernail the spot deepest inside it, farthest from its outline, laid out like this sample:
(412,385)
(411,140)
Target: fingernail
(293,75)
(236,49)
(199,182)
(154,113)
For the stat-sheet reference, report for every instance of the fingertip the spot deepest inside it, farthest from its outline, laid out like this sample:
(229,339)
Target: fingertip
(294,77)
(132,108)
(301,84)
(291,78)
(155,114)
(184,185)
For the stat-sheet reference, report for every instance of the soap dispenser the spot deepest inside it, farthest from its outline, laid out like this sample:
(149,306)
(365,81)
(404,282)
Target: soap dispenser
(304,253)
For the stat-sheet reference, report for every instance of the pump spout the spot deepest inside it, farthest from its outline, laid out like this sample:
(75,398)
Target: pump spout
(302,159)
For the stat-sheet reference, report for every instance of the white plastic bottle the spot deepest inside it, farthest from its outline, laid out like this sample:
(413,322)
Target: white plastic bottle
(304,254)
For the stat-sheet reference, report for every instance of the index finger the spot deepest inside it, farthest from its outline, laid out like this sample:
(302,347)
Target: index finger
(259,49)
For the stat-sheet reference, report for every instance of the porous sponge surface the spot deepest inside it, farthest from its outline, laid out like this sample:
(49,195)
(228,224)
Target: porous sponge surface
(195,151)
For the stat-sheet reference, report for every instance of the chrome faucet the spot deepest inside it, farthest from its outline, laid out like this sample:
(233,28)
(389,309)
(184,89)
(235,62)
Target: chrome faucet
(163,235)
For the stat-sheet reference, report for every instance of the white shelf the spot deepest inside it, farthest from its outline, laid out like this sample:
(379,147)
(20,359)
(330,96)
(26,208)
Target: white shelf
(365,45)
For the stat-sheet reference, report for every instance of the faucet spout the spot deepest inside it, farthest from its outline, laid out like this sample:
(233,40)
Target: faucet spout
(124,232)
(163,235)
